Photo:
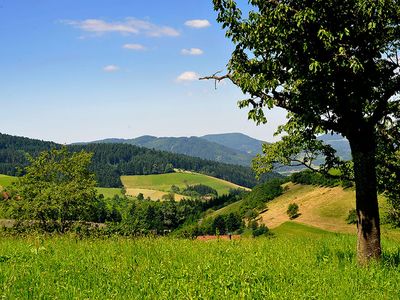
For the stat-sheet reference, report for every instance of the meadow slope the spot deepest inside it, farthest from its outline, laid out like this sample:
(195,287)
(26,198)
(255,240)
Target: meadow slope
(6,180)
(323,207)
(157,185)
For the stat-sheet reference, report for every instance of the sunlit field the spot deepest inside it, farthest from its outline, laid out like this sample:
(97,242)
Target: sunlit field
(299,262)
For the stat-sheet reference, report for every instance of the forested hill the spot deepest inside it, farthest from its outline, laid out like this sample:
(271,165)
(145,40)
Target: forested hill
(237,141)
(110,161)
(192,146)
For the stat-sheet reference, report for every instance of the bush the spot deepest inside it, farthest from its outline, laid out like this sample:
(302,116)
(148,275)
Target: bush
(313,178)
(352,217)
(293,211)
(199,190)
(261,230)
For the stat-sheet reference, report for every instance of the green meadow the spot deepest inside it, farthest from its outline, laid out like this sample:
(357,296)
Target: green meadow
(6,180)
(110,192)
(163,182)
(298,262)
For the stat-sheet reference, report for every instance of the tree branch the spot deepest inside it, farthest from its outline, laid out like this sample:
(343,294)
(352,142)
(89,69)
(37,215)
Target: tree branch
(217,78)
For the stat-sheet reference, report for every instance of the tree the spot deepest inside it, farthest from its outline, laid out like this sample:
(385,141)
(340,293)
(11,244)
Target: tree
(293,210)
(218,225)
(233,222)
(57,188)
(333,65)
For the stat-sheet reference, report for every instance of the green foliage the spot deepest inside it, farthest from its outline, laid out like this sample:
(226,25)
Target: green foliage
(175,189)
(352,217)
(388,180)
(221,224)
(294,55)
(168,197)
(333,65)
(312,178)
(293,211)
(57,188)
(319,179)
(261,194)
(199,190)
(261,230)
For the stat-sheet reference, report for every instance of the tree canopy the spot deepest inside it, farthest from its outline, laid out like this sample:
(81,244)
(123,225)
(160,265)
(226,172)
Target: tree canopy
(57,188)
(333,65)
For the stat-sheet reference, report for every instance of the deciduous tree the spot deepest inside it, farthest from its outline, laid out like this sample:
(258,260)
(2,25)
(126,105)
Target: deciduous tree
(333,65)
(57,188)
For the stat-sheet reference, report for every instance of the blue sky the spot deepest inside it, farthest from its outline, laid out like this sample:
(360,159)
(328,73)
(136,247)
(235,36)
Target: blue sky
(80,70)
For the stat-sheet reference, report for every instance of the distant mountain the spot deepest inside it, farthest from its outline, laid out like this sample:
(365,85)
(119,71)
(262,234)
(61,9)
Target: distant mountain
(339,143)
(230,148)
(195,146)
(237,141)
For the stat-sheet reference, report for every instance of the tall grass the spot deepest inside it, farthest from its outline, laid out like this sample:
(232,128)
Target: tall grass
(289,266)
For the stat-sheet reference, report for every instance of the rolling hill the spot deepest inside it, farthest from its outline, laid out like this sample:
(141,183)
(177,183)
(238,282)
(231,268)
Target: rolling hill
(202,147)
(155,186)
(237,141)
(325,208)
(111,160)
(231,148)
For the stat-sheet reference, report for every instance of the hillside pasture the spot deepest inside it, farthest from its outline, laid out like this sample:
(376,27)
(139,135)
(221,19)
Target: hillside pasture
(323,207)
(152,194)
(110,192)
(163,182)
(6,180)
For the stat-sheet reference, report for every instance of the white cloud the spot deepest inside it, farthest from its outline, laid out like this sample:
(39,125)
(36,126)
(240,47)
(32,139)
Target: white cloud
(187,76)
(111,68)
(198,23)
(127,26)
(192,51)
(135,47)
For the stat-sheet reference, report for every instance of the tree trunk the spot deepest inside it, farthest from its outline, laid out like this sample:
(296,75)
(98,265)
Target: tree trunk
(363,149)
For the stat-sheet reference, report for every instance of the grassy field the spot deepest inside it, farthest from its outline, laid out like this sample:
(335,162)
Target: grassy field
(323,207)
(110,192)
(152,194)
(300,262)
(6,181)
(163,182)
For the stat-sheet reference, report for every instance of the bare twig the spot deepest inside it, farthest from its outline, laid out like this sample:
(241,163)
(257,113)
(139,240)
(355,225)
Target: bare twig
(217,78)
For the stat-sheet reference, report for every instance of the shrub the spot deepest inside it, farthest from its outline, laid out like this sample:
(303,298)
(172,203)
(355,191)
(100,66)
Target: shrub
(261,230)
(352,217)
(293,211)
(199,190)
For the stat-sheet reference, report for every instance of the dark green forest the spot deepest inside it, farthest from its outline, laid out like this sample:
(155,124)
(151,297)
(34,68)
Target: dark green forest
(110,161)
